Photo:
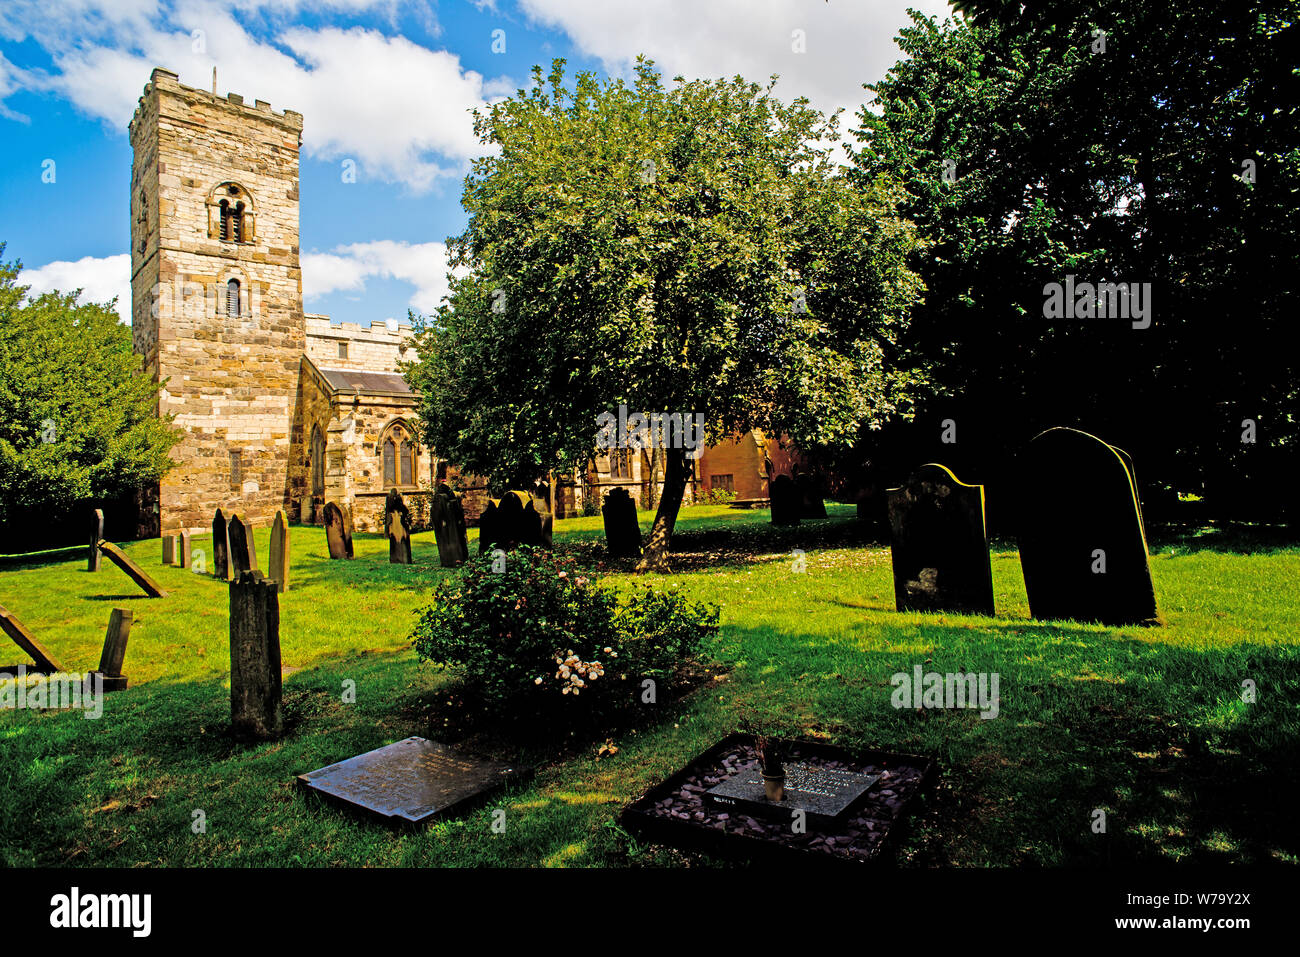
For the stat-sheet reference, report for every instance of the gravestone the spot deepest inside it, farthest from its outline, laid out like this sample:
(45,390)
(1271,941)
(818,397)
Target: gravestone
(220,547)
(169,549)
(622,533)
(825,795)
(133,571)
(25,640)
(411,782)
(487,527)
(278,569)
(114,653)
(1082,544)
(336,532)
(243,556)
(255,702)
(397,523)
(811,503)
(96,536)
(541,502)
(510,521)
(784,495)
(939,547)
(448,517)
(183,550)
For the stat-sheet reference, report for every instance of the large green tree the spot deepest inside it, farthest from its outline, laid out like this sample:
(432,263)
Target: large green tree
(686,249)
(77,415)
(1125,140)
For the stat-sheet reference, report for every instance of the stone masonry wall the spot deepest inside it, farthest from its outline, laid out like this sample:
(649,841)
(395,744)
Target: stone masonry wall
(373,349)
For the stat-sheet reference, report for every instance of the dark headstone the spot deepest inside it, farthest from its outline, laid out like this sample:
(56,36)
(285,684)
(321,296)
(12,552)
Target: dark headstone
(509,521)
(220,547)
(243,557)
(336,532)
(825,795)
(541,502)
(1080,514)
(133,571)
(811,503)
(397,522)
(784,495)
(622,533)
(255,704)
(114,654)
(24,639)
(278,569)
(411,782)
(487,527)
(183,550)
(448,518)
(96,536)
(939,546)
(169,549)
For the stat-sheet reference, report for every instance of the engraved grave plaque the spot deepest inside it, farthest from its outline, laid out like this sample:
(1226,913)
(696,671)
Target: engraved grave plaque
(825,795)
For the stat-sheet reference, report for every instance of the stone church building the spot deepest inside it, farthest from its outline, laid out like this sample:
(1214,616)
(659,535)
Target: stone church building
(280,409)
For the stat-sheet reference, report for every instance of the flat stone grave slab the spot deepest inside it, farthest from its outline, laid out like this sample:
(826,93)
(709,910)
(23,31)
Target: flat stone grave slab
(679,812)
(412,782)
(824,792)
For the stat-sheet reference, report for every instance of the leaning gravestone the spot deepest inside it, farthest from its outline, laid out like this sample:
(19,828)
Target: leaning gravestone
(784,495)
(622,533)
(220,547)
(24,639)
(811,503)
(255,702)
(397,522)
(133,571)
(114,654)
(96,536)
(336,532)
(1082,545)
(939,546)
(243,556)
(278,569)
(448,517)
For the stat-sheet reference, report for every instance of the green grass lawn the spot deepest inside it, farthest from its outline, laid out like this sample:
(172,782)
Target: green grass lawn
(1146,724)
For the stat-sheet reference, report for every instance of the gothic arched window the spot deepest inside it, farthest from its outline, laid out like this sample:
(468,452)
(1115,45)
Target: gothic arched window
(232,298)
(398,452)
(317,462)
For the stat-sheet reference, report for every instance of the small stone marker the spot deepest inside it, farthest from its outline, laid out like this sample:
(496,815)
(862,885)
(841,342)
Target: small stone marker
(114,654)
(448,517)
(255,704)
(220,547)
(397,523)
(133,571)
(24,639)
(412,781)
(183,550)
(96,536)
(784,495)
(939,547)
(243,557)
(169,549)
(1082,543)
(279,558)
(826,795)
(622,533)
(336,532)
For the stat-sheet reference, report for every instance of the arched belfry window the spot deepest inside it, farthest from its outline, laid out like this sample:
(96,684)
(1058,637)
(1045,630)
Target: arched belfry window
(230,214)
(398,453)
(232,299)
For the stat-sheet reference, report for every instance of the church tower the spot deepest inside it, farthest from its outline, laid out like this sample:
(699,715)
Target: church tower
(216,292)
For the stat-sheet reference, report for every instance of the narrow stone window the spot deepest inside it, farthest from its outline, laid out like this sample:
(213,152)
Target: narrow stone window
(408,462)
(343,350)
(225,221)
(317,462)
(238,225)
(232,298)
(390,463)
(236,468)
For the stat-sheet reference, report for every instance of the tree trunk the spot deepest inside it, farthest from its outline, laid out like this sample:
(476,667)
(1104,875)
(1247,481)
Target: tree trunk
(655,556)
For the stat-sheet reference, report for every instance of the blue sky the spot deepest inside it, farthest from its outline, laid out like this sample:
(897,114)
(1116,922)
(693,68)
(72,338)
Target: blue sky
(384,84)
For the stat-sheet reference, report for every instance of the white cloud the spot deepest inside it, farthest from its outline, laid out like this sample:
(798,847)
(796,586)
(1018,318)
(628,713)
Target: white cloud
(346,268)
(98,278)
(848,42)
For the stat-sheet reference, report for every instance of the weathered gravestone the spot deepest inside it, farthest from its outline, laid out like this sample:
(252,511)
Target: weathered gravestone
(622,533)
(541,502)
(397,523)
(114,653)
(24,639)
(133,571)
(169,549)
(412,782)
(487,527)
(243,554)
(1082,545)
(278,569)
(337,535)
(183,550)
(785,499)
(448,517)
(509,521)
(220,547)
(939,546)
(811,503)
(255,702)
(96,536)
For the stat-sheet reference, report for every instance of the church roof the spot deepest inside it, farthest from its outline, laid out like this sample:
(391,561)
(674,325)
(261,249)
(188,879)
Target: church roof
(356,380)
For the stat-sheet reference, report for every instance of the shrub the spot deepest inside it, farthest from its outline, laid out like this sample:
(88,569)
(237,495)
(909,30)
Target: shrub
(538,636)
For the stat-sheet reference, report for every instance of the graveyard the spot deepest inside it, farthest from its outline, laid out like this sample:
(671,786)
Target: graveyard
(1147,723)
